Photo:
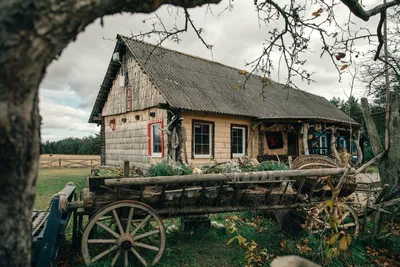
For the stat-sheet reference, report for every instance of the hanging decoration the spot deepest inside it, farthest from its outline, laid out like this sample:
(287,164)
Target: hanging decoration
(112,124)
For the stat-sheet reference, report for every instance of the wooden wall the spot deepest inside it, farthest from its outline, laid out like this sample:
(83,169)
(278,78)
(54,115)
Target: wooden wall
(144,93)
(129,140)
(222,142)
(279,127)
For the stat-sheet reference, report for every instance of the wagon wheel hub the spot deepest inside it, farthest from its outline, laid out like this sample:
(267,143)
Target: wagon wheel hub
(125,242)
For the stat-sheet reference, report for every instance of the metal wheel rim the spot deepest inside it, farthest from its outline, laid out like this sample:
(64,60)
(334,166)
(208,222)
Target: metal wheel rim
(110,208)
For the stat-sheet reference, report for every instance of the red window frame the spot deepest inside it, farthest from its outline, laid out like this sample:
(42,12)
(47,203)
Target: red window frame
(159,121)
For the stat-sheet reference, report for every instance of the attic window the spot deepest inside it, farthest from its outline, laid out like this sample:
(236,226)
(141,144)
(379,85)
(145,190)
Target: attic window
(274,140)
(128,98)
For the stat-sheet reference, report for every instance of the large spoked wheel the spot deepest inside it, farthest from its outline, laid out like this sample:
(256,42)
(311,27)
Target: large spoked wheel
(347,220)
(125,233)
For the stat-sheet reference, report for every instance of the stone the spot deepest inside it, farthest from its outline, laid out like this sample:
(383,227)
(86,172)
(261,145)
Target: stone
(292,261)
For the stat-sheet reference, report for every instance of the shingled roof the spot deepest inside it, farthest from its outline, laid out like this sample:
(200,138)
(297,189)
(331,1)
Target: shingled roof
(191,83)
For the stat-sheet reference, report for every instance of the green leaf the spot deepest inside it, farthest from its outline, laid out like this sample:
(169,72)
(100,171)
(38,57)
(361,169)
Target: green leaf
(344,243)
(333,239)
(233,239)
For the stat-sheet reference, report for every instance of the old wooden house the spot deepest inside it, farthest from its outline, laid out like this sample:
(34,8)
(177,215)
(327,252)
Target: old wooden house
(155,102)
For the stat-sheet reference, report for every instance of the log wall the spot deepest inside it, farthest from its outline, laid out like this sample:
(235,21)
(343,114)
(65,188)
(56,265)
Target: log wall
(143,92)
(129,140)
(222,138)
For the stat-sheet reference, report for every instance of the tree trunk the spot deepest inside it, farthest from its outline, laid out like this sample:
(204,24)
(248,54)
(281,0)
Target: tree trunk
(32,34)
(359,150)
(371,128)
(389,168)
(389,163)
(333,145)
(305,139)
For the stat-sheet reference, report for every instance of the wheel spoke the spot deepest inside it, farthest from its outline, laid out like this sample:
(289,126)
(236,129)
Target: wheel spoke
(107,229)
(115,258)
(126,258)
(345,215)
(142,245)
(121,231)
(102,241)
(145,235)
(139,257)
(99,256)
(141,224)
(128,222)
(346,225)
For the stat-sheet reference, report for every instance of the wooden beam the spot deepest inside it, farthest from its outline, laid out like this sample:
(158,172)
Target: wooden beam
(217,177)
(305,139)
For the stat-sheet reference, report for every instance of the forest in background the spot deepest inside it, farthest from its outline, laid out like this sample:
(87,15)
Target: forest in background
(88,145)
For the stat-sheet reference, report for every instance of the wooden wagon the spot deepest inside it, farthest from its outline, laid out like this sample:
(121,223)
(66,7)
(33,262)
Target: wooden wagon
(125,224)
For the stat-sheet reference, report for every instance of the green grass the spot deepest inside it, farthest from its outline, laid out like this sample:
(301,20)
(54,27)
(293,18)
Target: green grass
(52,181)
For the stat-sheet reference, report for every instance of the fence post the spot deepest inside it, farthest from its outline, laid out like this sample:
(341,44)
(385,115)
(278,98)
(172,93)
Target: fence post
(91,163)
(59,163)
(126,168)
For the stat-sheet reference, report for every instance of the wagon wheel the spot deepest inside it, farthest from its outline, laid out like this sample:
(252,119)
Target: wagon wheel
(115,234)
(318,220)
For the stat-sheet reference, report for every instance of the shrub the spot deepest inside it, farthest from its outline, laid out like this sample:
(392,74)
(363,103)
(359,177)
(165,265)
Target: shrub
(164,168)
(271,166)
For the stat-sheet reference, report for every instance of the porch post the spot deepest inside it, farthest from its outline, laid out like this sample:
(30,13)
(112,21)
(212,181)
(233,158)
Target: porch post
(305,138)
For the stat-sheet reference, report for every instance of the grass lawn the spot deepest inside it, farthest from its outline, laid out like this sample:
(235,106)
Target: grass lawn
(52,181)
(210,247)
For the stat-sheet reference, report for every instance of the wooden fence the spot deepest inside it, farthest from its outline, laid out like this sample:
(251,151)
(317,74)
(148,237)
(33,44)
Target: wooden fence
(69,163)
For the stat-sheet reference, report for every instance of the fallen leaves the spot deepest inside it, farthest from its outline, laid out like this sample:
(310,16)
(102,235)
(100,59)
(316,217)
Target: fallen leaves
(318,12)
(303,246)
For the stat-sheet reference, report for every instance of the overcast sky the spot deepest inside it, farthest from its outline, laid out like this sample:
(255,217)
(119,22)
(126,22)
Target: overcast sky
(72,82)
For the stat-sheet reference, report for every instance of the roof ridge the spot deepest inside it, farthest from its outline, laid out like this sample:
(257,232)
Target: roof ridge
(183,53)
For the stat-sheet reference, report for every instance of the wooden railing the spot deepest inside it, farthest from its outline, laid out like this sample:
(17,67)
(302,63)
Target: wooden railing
(69,163)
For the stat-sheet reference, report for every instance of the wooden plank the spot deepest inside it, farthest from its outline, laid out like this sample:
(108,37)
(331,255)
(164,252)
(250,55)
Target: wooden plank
(182,196)
(228,177)
(203,189)
(34,214)
(39,221)
(218,197)
(284,192)
(269,193)
(162,196)
(303,180)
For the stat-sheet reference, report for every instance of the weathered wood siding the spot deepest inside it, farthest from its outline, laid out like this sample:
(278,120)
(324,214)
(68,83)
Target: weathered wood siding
(116,100)
(222,138)
(279,151)
(129,140)
(144,93)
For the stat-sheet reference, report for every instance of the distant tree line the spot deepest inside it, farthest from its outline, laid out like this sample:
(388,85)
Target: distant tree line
(88,145)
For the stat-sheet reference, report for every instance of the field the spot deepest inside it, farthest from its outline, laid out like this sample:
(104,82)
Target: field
(210,247)
(65,160)
(51,181)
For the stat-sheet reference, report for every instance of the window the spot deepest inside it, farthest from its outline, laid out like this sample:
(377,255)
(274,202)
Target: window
(128,98)
(202,139)
(323,145)
(342,143)
(238,141)
(274,140)
(156,139)
(319,144)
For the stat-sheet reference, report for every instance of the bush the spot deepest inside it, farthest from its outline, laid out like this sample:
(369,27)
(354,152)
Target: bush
(271,166)
(164,168)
